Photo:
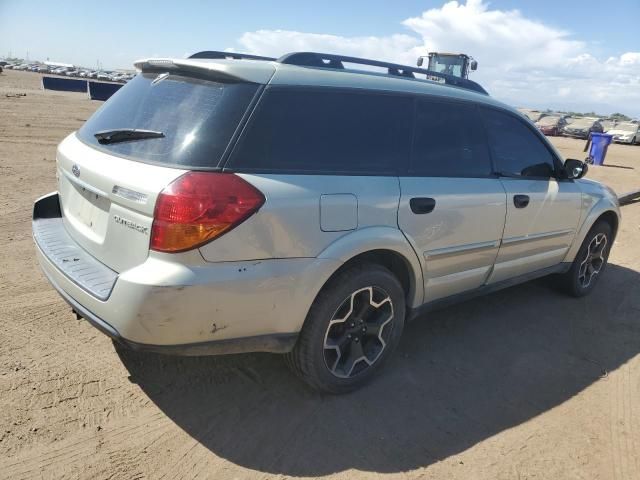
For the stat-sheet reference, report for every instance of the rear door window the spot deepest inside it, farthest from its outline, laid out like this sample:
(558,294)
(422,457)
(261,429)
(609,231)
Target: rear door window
(516,149)
(197,117)
(326,131)
(449,141)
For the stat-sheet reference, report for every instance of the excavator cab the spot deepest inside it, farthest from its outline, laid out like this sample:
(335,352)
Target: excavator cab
(456,64)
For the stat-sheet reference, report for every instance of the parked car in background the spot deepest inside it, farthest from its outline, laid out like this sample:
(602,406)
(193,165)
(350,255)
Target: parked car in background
(626,132)
(581,127)
(551,125)
(608,125)
(533,115)
(104,76)
(43,69)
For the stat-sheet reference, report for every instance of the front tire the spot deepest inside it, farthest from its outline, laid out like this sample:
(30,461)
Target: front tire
(590,261)
(353,326)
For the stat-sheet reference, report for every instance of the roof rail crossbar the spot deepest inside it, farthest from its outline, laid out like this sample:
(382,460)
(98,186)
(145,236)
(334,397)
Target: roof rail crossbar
(212,54)
(328,60)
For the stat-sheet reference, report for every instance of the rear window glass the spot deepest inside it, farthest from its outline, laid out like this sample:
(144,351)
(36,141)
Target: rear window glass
(326,131)
(196,116)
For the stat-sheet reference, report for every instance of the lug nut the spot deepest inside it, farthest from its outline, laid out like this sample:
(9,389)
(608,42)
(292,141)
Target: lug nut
(357,339)
(352,325)
(349,336)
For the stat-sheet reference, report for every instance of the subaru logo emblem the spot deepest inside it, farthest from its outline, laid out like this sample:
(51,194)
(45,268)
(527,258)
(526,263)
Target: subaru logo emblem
(75,170)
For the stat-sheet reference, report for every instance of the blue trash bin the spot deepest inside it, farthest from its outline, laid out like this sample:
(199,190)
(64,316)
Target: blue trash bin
(599,144)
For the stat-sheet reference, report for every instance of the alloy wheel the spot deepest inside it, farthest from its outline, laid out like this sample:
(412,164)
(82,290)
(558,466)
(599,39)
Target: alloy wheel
(358,332)
(593,261)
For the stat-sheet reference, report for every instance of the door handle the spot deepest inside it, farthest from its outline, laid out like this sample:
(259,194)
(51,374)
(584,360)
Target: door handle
(521,201)
(421,205)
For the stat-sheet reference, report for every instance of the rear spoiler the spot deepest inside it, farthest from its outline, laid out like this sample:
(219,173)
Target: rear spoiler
(237,71)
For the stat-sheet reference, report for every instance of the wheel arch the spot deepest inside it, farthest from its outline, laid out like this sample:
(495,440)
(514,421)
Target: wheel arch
(385,246)
(612,219)
(605,209)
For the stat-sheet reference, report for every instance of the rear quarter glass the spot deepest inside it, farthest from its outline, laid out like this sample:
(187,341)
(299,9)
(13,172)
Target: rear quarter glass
(326,130)
(197,116)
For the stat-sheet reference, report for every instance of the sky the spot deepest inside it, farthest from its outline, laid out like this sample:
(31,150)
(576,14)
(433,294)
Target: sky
(580,55)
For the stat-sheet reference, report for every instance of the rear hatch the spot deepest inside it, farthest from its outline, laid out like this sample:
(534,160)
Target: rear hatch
(109,182)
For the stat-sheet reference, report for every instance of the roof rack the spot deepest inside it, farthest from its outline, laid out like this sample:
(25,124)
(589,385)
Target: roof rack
(336,62)
(326,60)
(212,54)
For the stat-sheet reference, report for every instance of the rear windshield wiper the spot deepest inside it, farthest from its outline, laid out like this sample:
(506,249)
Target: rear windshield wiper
(119,135)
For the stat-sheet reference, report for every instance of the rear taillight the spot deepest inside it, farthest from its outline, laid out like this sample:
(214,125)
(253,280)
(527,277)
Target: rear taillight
(201,206)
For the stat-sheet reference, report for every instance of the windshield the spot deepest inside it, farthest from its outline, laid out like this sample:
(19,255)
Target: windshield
(451,65)
(196,117)
(548,120)
(626,127)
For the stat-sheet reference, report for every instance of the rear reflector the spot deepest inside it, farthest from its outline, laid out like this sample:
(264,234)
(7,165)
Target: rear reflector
(199,207)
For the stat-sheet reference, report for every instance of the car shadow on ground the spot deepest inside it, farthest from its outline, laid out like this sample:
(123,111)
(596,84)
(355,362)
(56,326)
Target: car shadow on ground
(460,375)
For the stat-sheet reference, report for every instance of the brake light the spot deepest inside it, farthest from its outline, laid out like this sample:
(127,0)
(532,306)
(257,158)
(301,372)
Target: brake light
(199,207)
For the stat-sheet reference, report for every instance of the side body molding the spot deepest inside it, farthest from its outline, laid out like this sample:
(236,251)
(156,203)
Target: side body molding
(380,238)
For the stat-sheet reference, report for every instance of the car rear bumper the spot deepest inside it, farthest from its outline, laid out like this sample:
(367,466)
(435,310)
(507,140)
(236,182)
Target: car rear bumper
(274,343)
(191,309)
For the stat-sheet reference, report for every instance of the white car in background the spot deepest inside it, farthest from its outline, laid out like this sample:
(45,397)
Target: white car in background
(104,76)
(626,132)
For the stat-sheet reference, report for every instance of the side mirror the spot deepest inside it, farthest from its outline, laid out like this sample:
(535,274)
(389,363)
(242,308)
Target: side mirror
(575,169)
(474,65)
(420,61)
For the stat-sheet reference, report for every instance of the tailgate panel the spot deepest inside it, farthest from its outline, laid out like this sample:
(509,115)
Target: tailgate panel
(114,228)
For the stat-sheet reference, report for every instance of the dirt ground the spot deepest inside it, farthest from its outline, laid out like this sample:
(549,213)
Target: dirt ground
(522,384)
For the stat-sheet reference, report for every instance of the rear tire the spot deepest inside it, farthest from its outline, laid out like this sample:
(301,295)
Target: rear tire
(590,261)
(352,328)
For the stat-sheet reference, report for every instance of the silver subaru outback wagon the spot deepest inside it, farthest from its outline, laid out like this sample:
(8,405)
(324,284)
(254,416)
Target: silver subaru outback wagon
(306,207)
